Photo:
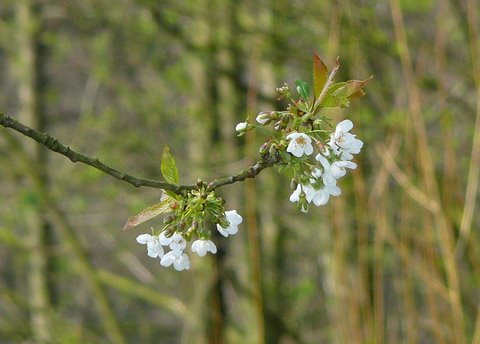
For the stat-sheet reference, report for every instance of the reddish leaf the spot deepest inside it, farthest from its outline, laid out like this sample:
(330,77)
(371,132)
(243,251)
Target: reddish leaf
(320,73)
(149,213)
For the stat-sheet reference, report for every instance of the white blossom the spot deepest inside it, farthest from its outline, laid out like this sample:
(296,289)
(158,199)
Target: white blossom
(322,195)
(234,220)
(343,143)
(309,193)
(332,171)
(154,248)
(300,144)
(180,261)
(164,240)
(306,188)
(178,243)
(241,127)
(201,247)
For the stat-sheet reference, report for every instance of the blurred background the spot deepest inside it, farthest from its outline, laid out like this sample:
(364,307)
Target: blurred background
(395,259)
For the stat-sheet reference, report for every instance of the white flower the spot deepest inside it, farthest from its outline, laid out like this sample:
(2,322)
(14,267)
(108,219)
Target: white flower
(343,143)
(154,248)
(309,192)
(178,243)
(339,168)
(180,261)
(234,220)
(263,118)
(241,127)
(332,172)
(201,247)
(322,195)
(164,240)
(300,144)
(306,188)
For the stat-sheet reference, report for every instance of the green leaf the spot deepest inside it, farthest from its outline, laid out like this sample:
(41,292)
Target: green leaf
(320,74)
(303,89)
(150,212)
(169,167)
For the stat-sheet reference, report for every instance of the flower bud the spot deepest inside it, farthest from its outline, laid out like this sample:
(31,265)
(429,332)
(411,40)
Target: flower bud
(264,148)
(181,225)
(242,127)
(193,228)
(302,202)
(200,183)
(169,219)
(264,118)
(293,184)
(320,146)
(280,125)
(284,91)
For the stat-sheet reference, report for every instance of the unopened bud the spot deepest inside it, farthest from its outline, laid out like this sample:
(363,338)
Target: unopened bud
(293,184)
(242,127)
(181,225)
(320,145)
(193,228)
(264,148)
(264,118)
(279,125)
(302,202)
(169,219)
(199,183)
(284,91)
(303,205)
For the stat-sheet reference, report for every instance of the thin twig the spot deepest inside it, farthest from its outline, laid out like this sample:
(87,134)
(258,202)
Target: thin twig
(54,145)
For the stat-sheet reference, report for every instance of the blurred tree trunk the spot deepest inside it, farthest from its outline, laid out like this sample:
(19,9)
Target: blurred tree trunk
(200,124)
(30,84)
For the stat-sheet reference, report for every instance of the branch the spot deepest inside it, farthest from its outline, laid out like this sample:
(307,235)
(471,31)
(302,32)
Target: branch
(54,145)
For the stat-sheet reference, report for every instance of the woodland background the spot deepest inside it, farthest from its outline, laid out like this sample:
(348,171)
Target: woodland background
(395,259)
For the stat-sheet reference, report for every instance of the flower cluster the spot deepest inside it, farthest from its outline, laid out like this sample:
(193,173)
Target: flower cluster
(300,140)
(193,209)
(317,181)
(304,130)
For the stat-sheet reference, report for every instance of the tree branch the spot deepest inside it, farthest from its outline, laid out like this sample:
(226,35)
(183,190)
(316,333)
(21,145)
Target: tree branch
(54,145)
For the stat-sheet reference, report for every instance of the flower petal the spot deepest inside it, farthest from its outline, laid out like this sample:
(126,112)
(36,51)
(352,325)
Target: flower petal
(144,238)
(345,125)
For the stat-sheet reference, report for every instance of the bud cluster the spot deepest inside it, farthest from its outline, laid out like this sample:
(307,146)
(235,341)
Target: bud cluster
(190,214)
